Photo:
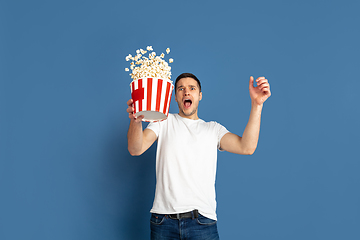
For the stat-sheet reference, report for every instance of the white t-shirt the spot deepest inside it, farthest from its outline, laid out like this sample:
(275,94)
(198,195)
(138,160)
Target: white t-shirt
(186,161)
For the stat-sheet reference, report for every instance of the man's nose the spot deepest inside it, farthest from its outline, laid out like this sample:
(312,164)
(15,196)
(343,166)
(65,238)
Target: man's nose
(187,92)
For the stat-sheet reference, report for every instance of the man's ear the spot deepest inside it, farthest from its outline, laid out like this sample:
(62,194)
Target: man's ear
(200,96)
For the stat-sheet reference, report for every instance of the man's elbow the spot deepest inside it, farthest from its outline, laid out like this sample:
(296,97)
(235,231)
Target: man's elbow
(133,152)
(249,151)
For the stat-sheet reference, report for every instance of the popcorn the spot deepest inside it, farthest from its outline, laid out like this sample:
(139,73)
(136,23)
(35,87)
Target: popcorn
(154,66)
(128,57)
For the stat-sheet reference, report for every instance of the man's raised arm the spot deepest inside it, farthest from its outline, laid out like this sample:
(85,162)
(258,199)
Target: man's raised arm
(138,140)
(248,142)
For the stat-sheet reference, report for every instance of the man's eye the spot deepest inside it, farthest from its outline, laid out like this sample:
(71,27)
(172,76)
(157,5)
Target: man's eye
(192,88)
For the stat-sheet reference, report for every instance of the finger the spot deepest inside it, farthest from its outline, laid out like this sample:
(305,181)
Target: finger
(251,82)
(135,118)
(261,81)
(139,118)
(130,102)
(132,115)
(264,84)
(265,89)
(130,110)
(266,92)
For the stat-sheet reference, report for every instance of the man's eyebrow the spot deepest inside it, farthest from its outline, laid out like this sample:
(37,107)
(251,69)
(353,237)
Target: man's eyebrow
(181,86)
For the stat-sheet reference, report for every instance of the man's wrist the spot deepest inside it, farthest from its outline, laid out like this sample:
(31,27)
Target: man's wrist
(256,106)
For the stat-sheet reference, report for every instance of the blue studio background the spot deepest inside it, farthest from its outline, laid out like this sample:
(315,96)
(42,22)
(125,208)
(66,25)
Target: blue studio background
(65,172)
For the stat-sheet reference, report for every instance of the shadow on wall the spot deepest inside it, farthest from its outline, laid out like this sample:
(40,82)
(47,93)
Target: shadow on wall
(137,188)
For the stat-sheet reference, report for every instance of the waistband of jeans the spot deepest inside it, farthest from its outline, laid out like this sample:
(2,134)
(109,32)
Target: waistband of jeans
(191,214)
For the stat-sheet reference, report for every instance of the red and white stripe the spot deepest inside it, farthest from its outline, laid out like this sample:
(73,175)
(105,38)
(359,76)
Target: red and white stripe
(151,94)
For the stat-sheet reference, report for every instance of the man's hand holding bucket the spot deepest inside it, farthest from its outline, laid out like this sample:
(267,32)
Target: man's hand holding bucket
(130,110)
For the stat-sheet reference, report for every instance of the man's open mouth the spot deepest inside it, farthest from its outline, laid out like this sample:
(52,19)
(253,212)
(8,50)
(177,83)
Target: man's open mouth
(187,103)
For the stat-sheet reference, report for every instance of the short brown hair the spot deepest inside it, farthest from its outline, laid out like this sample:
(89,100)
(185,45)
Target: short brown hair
(188,75)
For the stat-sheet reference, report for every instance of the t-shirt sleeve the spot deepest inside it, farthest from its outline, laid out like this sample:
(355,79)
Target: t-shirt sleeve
(221,132)
(155,127)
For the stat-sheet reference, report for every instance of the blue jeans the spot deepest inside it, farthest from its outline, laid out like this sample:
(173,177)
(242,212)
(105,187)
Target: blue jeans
(164,228)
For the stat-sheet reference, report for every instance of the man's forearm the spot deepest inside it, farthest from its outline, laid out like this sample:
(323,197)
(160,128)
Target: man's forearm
(250,136)
(135,137)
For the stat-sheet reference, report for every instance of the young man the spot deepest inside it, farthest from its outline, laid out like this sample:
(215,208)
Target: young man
(184,206)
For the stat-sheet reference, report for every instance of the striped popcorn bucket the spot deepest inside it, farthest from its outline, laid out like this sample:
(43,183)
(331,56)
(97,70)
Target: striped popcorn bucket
(151,98)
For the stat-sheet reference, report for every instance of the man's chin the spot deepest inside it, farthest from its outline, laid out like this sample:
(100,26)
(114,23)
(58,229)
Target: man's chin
(188,113)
